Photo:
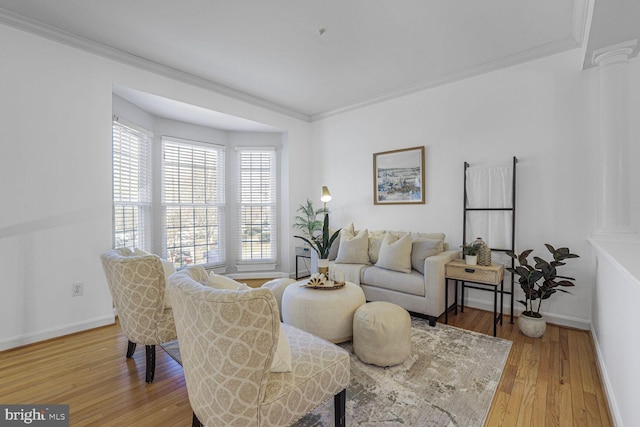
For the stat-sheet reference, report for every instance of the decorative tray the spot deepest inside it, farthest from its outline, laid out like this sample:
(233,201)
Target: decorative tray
(321,281)
(325,287)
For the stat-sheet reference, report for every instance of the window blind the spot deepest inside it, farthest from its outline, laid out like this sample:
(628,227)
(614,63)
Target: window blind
(257,202)
(131,186)
(193,202)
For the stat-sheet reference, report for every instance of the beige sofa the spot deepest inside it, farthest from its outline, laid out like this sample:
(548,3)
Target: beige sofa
(405,268)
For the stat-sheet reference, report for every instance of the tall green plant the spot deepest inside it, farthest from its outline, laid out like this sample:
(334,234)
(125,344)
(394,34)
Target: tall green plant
(308,223)
(529,276)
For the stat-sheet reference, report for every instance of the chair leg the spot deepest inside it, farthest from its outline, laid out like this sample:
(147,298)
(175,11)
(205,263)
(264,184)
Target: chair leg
(131,348)
(151,362)
(196,422)
(339,407)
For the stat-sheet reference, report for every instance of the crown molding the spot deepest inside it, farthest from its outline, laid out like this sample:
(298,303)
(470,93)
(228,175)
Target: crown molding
(488,67)
(41,29)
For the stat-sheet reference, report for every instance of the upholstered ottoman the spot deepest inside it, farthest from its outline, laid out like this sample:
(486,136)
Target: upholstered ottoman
(382,333)
(324,313)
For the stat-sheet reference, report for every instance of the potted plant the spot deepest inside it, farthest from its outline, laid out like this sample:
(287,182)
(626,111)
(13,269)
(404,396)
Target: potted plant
(316,233)
(539,282)
(470,251)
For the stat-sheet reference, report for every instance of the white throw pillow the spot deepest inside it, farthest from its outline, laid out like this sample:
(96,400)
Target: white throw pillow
(222,282)
(395,254)
(282,358)
(375,242)
(354,249)
(424,249)
(427,236)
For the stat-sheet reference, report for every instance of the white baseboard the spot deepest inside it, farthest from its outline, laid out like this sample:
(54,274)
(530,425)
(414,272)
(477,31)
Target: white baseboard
(604,377)
(556,319)
(34,337)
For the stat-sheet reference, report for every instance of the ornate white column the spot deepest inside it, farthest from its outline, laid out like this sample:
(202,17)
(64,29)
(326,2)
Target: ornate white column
(614,193)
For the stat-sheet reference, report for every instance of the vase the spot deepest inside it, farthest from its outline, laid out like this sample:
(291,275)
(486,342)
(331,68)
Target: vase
(323,266)
(471,259)
(484,254)
(533,327)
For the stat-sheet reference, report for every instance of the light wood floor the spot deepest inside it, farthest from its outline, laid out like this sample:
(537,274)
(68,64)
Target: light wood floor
(552,381)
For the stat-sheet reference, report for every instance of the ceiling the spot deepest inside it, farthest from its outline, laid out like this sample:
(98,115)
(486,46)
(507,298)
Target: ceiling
(311,59)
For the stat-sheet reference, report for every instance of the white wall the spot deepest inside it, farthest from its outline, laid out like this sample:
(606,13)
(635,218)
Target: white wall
(617,290)
(533,111)
(55,131)
(615,327)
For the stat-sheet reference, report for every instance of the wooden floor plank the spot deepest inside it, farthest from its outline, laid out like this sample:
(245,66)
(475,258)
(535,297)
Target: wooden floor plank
(89,371)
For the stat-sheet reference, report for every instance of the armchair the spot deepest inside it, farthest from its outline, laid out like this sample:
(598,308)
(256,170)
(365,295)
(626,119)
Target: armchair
(137,286)
(227,341)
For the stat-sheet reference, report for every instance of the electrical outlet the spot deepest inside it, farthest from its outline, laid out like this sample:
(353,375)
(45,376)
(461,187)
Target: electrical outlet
(77,289)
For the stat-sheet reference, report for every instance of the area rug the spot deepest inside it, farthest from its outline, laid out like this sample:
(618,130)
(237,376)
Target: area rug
(449,380)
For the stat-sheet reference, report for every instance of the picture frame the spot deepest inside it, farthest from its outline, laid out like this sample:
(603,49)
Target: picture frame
(399,177)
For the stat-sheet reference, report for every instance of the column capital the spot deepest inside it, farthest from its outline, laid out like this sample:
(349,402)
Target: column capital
(614,54)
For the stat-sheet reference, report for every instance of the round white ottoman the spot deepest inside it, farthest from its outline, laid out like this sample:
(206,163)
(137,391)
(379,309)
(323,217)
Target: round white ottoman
(327,313)
(382,333)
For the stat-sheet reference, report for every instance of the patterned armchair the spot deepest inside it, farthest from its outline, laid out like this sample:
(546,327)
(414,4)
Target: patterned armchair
(227,342)
(137,285)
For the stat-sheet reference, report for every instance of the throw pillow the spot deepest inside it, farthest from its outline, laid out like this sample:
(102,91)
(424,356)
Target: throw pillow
(354,249)
(375,241)
(222,282)
(424,249)
(395,254)
(427,236)
(282,357)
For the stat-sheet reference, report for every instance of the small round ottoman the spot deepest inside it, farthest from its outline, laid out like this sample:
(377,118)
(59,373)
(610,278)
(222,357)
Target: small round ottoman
(382,333)
(325,313)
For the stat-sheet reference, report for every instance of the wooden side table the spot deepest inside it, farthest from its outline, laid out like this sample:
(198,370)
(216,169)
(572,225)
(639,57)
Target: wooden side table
(485,278)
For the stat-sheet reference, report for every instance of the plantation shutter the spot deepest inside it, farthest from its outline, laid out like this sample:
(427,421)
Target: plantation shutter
(131,186)
(193,202)
(257,201)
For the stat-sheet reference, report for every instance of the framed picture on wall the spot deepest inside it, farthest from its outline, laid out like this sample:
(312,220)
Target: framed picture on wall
(398,177)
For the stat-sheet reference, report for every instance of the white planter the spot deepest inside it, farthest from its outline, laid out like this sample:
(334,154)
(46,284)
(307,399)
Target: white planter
(471,259)
(323,266)
(533,327)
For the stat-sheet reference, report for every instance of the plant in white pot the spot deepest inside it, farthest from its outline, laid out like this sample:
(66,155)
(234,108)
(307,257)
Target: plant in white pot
(539,282)
(316,232)
(470,251)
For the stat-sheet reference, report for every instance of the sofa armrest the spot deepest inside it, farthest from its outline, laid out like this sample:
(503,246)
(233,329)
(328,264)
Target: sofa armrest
(434,277)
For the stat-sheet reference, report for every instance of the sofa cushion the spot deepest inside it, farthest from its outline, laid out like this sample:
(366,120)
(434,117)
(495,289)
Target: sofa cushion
(353,249)
(395,254)
(412,283)
(423,249)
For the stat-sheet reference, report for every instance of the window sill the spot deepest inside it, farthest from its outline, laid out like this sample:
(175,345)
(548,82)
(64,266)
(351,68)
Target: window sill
(256,267)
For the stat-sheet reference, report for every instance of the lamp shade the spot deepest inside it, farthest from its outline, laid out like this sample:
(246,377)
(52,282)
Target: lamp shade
(326,196)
